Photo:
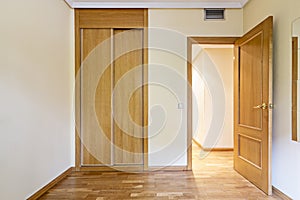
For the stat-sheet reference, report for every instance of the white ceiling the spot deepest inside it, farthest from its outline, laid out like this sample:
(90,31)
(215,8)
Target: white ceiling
(156,3)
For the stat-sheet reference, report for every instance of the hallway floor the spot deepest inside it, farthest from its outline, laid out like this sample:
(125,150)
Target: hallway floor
(212,178)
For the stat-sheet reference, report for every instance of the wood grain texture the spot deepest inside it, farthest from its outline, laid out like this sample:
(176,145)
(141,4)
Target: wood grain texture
(96,96)
(111,18)
(280,194)
(250,150)
(128,168)
(251,82)
(90,26)
(294,87)
(212,40)
(77,92)
(253,85)
(127,99)
(168,168)
(189,103)
(145,90)
(47,187)
(212,178)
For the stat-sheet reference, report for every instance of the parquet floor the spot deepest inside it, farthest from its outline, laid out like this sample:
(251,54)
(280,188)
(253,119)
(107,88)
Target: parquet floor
(212,178)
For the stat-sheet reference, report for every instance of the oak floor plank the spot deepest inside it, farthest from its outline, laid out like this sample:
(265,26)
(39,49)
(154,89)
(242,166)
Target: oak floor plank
(212,178)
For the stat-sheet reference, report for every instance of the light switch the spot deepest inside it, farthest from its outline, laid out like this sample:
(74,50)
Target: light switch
(180,105)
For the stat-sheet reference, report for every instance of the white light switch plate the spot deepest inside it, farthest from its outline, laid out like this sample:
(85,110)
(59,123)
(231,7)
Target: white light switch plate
(180,106)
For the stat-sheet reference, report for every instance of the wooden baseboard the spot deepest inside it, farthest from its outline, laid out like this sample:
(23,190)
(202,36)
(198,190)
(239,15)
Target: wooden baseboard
(280,194)
(211,149)
(139,169)
(131,168)
(168,168)
(47,187)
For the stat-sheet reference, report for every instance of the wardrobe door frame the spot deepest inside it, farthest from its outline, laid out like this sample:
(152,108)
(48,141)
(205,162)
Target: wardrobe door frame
(110,18)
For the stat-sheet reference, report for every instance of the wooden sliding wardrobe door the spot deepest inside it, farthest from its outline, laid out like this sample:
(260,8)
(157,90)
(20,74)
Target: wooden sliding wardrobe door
(96,96)
(128,108)
(111,90)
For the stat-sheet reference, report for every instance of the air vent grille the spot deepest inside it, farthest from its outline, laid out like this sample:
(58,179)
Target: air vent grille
(214,14)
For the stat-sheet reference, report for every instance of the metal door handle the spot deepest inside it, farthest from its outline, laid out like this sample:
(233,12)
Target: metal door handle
(262,106)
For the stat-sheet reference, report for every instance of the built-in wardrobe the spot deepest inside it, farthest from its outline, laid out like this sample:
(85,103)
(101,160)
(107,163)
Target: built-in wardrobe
(111,90)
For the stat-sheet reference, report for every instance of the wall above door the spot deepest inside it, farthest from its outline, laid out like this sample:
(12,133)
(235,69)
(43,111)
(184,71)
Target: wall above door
(156,3)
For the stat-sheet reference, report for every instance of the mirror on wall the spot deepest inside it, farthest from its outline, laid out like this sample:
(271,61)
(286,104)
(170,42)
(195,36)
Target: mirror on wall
(295,80)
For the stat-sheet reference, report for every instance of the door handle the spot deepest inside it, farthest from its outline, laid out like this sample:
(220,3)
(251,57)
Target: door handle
(262,106)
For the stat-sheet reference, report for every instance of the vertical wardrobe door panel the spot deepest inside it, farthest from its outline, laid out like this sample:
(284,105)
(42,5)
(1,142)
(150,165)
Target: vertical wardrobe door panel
(127,96)
(96,97)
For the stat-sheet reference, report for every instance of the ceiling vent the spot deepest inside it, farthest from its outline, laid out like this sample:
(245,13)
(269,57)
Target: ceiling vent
(214,14)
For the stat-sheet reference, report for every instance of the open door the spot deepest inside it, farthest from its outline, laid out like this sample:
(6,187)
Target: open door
(253,104)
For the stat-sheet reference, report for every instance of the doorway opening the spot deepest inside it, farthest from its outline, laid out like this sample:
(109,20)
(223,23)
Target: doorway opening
(210,106)
(252,102)
(212,78)
(212,103)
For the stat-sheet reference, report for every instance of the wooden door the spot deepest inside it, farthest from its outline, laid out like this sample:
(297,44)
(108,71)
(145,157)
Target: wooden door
(253,101)
(112,97)
(95,97)
(128,96)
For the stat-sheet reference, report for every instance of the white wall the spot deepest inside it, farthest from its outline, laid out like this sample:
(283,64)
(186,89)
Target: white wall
(213,80)
(36,86)
(286,153)
(168,33)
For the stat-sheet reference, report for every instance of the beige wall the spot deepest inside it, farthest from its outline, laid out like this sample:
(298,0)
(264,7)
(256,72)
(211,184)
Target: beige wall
(286,153)
(36,87)
(169,29)
(191,22)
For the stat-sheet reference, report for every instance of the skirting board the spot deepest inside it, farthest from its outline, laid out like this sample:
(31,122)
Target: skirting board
(47,187)
(280,194)
(134,168)
(211,149)
(167,168)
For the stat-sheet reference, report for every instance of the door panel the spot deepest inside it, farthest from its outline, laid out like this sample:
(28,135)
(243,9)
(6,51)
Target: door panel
(252,97)
(251,87)
(96,97)
(127,98)
(250,150)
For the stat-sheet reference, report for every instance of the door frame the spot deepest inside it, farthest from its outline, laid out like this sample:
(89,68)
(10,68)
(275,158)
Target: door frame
(190,42)
(134,18)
